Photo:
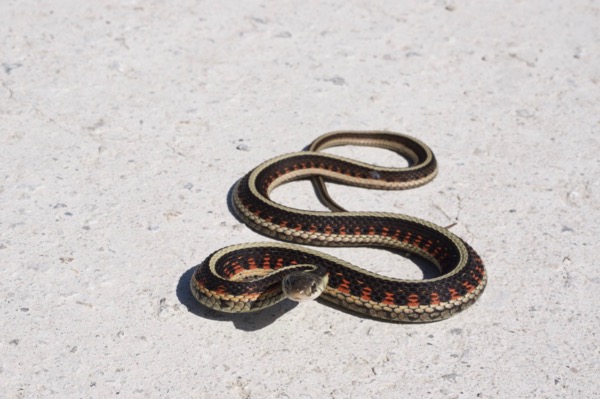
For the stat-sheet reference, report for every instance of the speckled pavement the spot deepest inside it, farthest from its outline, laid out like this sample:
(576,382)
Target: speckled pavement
(123,125)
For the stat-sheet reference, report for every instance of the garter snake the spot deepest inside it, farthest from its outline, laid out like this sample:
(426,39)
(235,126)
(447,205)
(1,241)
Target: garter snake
(250,277)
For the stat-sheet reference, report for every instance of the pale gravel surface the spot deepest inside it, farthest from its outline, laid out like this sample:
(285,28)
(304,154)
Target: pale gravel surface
(123,125)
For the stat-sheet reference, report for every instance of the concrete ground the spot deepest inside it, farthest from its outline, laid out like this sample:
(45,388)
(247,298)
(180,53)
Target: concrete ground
(123,124)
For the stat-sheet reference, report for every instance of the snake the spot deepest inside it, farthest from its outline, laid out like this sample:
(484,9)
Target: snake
(250,277)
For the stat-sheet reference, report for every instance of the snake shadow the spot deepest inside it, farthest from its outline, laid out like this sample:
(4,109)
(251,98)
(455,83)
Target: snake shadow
(242,321)
(230,202)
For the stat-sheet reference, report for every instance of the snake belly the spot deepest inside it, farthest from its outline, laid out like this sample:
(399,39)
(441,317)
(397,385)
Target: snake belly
(247,277)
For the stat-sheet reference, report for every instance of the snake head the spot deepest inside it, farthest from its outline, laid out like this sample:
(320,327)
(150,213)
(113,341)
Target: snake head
(304,286)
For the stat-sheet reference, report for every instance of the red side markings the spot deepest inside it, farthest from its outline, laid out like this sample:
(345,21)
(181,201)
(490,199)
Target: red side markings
(476,277)
(389,298)
(453,294)
(470,287)
(237,268)
(252,264)
(427,245)
(221,290)
(413,300)
(266,262)
(366,294)
(345,286)
(418,241)
(479,268)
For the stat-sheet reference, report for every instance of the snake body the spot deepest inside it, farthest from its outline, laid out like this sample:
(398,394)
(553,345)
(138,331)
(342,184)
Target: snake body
(248,277)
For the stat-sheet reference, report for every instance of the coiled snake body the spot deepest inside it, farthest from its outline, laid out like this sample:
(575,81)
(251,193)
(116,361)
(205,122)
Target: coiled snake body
(250,277)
